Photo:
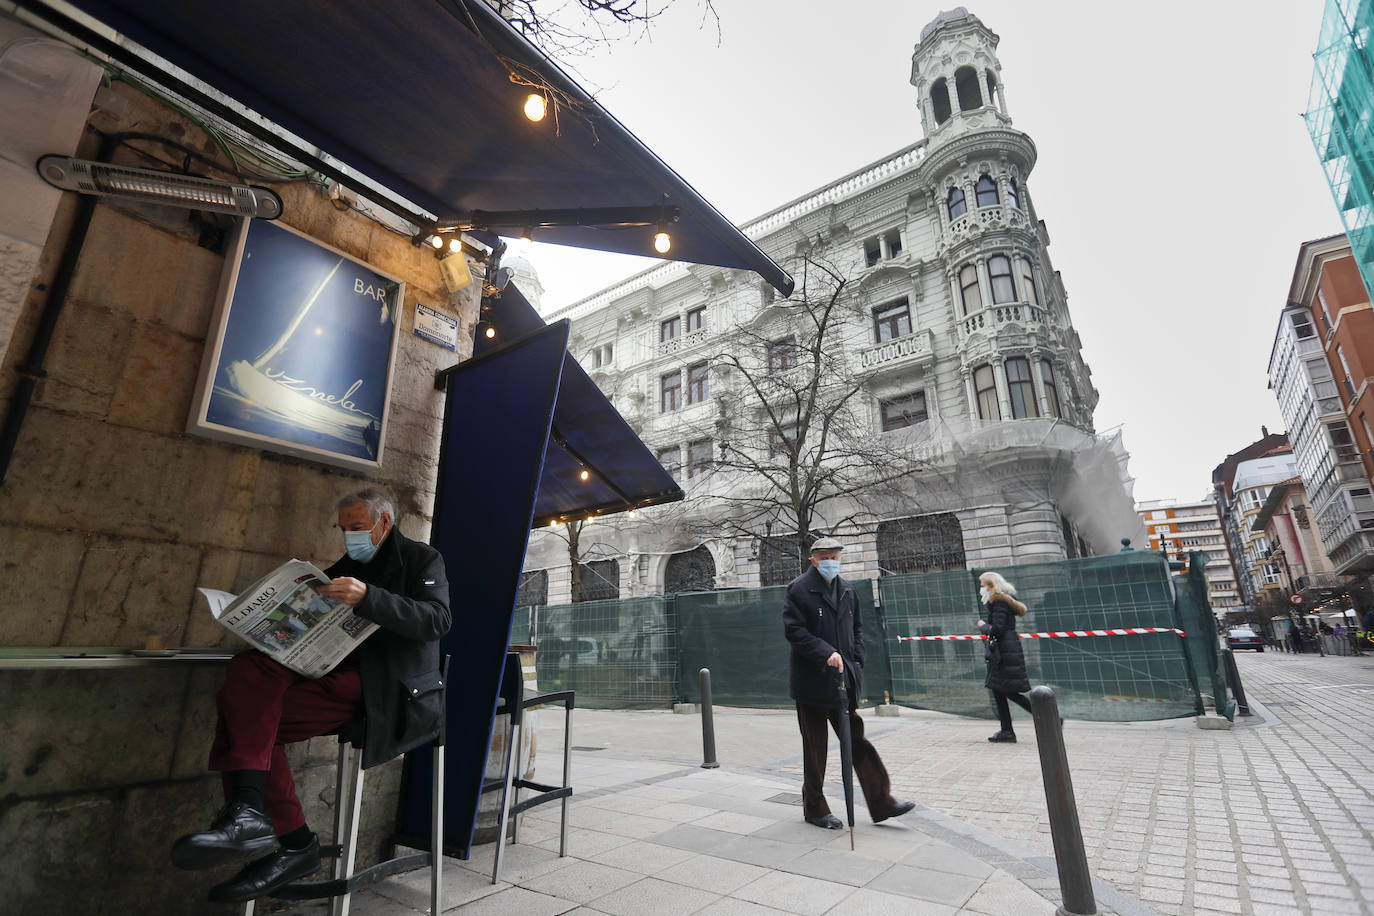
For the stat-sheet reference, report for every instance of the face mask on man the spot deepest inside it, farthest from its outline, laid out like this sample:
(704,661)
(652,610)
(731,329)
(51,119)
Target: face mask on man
(828,569)
(359,544)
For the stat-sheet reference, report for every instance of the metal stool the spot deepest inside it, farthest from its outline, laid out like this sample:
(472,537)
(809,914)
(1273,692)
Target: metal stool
(515,702)
(347,805)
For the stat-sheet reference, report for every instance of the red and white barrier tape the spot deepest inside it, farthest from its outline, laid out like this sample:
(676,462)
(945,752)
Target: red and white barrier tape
(1058,634)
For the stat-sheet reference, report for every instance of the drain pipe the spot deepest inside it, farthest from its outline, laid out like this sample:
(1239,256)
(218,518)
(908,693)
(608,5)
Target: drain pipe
(32,369)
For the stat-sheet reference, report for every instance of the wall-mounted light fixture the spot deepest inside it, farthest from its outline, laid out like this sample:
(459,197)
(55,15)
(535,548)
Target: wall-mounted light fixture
(192,192)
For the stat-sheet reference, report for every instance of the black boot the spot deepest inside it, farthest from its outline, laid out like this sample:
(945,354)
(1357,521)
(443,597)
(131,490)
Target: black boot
(260,878)
(237,831)
(1006,736)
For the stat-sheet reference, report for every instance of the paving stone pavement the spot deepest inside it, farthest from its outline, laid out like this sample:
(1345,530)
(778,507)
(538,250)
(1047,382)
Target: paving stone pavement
(1271,817)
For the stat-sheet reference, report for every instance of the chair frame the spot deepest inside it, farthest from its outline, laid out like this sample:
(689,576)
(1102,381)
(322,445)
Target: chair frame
(347,808)
(513,699)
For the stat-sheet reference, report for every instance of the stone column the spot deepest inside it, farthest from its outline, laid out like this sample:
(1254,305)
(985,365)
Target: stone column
(1001,99)
(984,284)
(972,396)
(999,372)
(1039,382)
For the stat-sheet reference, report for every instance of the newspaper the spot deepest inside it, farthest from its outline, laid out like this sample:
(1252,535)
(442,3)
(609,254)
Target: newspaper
(284,616)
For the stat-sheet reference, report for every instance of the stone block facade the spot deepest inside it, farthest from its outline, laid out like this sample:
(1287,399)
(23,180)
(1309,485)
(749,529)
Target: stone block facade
(115,515)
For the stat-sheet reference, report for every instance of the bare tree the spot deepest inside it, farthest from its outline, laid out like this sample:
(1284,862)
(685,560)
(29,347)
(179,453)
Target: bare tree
(566,28)
(797,442)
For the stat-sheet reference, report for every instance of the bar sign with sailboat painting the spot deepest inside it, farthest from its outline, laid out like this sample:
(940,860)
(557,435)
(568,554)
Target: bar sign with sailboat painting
(300,352)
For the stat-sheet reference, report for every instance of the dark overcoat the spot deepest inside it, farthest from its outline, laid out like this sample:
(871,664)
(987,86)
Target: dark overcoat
(1006,661)
(407,596)
(816,628)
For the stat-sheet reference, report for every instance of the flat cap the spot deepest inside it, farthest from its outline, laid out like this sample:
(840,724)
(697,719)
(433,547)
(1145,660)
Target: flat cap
(826,544)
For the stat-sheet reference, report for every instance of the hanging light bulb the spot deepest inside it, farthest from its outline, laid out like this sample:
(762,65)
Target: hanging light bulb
(662,240)
(586,474)
(436,241)
(535,106)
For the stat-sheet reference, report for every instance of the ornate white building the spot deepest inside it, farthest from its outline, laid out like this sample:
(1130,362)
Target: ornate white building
(957,326)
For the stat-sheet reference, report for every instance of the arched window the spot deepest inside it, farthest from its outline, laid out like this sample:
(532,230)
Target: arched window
(693,571)
(968,289)
(1013,195)
(999,273)
(1028,291)
(927,543)
(939,100)
(1020,389)
(985,389)
(986,192)
(966,87)
(956,203)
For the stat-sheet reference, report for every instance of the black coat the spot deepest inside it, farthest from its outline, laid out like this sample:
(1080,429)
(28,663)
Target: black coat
(816,628)
(407,596)
(1006,661)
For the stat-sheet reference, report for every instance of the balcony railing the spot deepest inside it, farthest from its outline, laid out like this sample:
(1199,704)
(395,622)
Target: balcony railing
(912,348)
(995,316)
(683,341)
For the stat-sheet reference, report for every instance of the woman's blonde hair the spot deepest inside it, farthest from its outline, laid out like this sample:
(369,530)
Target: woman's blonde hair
(997,583)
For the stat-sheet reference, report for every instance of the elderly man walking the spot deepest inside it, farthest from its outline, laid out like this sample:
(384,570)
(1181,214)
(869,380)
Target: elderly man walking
(821,620)
(392,679)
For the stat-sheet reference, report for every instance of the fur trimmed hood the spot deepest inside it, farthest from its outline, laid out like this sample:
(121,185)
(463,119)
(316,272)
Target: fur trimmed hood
(1017,607)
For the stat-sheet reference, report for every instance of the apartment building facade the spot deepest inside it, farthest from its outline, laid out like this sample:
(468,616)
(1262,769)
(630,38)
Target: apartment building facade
(1319,370)
(953,327)
(1178,527)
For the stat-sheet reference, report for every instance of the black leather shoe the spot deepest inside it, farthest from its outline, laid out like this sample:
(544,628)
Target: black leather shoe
(896,810)
(236,832)
(260,878)
(1003,738)
(828,821)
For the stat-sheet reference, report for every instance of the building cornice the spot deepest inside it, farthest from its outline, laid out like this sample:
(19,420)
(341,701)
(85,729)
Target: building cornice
(903,161)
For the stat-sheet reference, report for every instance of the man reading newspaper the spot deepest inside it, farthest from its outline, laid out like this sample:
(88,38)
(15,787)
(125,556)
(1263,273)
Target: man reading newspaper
(391,679)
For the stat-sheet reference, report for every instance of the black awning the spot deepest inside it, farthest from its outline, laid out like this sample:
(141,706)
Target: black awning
(587,432)
(418,96)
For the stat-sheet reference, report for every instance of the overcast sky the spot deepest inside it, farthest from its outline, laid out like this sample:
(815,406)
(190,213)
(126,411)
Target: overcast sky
(1175,173)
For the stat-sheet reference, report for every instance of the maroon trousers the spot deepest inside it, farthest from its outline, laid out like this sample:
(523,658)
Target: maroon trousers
(262,708)
(868,766)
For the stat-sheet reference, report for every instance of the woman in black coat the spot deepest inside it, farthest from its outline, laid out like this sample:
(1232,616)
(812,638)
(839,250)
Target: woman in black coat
(1006,662)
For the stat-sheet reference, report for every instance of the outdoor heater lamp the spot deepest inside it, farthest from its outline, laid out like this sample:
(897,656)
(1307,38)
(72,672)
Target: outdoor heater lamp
(192,192)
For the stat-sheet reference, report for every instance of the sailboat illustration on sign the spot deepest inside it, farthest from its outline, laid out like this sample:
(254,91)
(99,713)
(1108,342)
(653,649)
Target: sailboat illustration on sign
(297,401)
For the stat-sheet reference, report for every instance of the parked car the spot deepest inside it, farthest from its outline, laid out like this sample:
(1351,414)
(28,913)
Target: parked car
(1244,638)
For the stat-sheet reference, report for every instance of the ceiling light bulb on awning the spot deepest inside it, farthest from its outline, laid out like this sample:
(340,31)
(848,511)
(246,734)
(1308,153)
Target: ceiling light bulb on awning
(662,242)
(436,241)
(586,474)
(535,107)
(490,332)
(455,245)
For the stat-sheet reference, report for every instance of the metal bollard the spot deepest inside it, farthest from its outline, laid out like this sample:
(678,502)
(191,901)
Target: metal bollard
(1228,660)
(708,726)
(1075,882)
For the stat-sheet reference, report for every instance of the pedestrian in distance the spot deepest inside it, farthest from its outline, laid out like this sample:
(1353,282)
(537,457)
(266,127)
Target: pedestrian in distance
(392,679)
(1006,662)
(821,621)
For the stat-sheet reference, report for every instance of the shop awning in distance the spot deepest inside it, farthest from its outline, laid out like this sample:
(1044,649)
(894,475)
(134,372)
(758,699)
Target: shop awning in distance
(419,96)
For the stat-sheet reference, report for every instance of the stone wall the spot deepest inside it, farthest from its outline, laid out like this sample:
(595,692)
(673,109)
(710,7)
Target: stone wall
(114,515)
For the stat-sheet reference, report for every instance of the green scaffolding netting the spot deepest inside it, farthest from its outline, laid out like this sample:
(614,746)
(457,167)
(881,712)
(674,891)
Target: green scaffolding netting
(647,652)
